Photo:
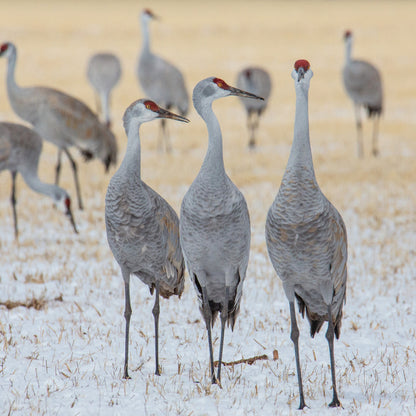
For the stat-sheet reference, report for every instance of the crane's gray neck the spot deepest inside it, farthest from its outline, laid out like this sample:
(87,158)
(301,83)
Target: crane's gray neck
(132,159)
(11,67)
(348,50)
(301,154)
(145,35)
(214,161)
(33,181)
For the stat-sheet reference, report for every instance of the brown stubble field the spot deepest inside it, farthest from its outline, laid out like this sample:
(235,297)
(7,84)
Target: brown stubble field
(376,196)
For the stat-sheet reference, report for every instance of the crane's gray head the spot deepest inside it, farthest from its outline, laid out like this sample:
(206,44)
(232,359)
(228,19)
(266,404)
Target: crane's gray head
(145,110)
(63,203)
(147,15)
(211,88)
(6,49)
(347,35)
(302,72)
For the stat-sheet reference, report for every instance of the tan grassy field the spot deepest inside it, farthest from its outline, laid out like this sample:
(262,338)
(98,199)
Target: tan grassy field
(376,196)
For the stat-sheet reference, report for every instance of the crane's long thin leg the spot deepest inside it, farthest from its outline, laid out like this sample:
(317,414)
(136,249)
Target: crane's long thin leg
(75,172)
(360,148)
(13,202)
(127,315)
(375,134)
(251,130)
(330,337)
(224,316)
(294,336)
(207,314)
(156,311)
(58,167)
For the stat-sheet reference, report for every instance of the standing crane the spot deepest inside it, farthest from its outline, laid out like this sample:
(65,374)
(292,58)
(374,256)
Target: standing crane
(60,119)
(306,238)
(142,228)
(257,81)
(103,72)
(160,80)
(20,148)
(362,82)
(215,224)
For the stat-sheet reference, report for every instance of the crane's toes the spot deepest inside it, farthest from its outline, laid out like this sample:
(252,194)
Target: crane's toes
(335,403)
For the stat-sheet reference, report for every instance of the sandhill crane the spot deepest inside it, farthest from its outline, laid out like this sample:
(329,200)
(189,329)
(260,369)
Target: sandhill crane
(60,119)
(142,228)
(215,224)
(306,238)
(20,148)
(103,72)
(160,80)
(362,82)
(257,81)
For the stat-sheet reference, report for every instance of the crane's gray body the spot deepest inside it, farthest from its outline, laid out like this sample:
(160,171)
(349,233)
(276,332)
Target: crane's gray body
(257,81)
(59,118)
(104,72)
(160,80)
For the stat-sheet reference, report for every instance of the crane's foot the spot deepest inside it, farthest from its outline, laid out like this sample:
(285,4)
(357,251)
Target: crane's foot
(302,404)
(157,372)
(335,403)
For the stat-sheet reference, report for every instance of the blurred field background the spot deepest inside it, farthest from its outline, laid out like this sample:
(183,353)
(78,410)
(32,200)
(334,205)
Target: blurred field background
(376,196)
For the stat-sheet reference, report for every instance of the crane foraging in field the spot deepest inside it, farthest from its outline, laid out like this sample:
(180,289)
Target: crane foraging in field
(61,119)
(307,239)
(160,80)
(215,224)
(20,148)
(362,82)
(103,72)
(142,228)
(257,81)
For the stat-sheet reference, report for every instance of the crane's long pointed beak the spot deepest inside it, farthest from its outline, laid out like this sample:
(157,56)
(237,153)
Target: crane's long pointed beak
(241,93)
(71,219)
(167,114)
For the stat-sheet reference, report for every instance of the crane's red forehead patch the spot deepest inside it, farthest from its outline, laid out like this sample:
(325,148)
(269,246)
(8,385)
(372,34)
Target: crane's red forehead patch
(149,12)
(150,105)
(222,84)
(302,63)
(67,203)
(347,34)
(3,47)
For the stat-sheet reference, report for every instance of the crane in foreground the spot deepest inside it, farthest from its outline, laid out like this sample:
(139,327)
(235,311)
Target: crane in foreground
(20,149)
(160,80)
(257,81)
(60,119)
(103,73)
(362,82)
(142,228)
(215,224)
(307,239)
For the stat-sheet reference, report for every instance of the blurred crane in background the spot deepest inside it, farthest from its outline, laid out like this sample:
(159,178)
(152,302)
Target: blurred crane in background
(61,119)
(257,81)
(160,80)
(362,82)
(103,73)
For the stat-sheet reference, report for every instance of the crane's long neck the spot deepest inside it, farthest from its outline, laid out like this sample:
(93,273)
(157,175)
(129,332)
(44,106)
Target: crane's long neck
(32,180)
(145,36)
(301,154)
(348,50)
(132,159)
(12,87)
(214,161)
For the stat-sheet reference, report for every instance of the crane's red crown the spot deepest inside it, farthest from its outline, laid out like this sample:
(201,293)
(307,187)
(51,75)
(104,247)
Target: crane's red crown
(222,84)
(3,47)
(68,203)
(347,34)
(302,63)
(150,105)
(149,12)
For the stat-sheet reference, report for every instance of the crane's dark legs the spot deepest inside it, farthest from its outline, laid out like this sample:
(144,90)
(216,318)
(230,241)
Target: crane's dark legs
(156,311)
(294,336)
(127,315)
(75,171)
(224,316)
(58,167)
(360,149)
(164,137)
(13,201)
(330,337)
(375,134)
(207,314)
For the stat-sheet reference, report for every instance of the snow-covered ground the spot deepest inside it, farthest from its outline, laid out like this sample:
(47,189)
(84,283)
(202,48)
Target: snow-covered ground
(62,353)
